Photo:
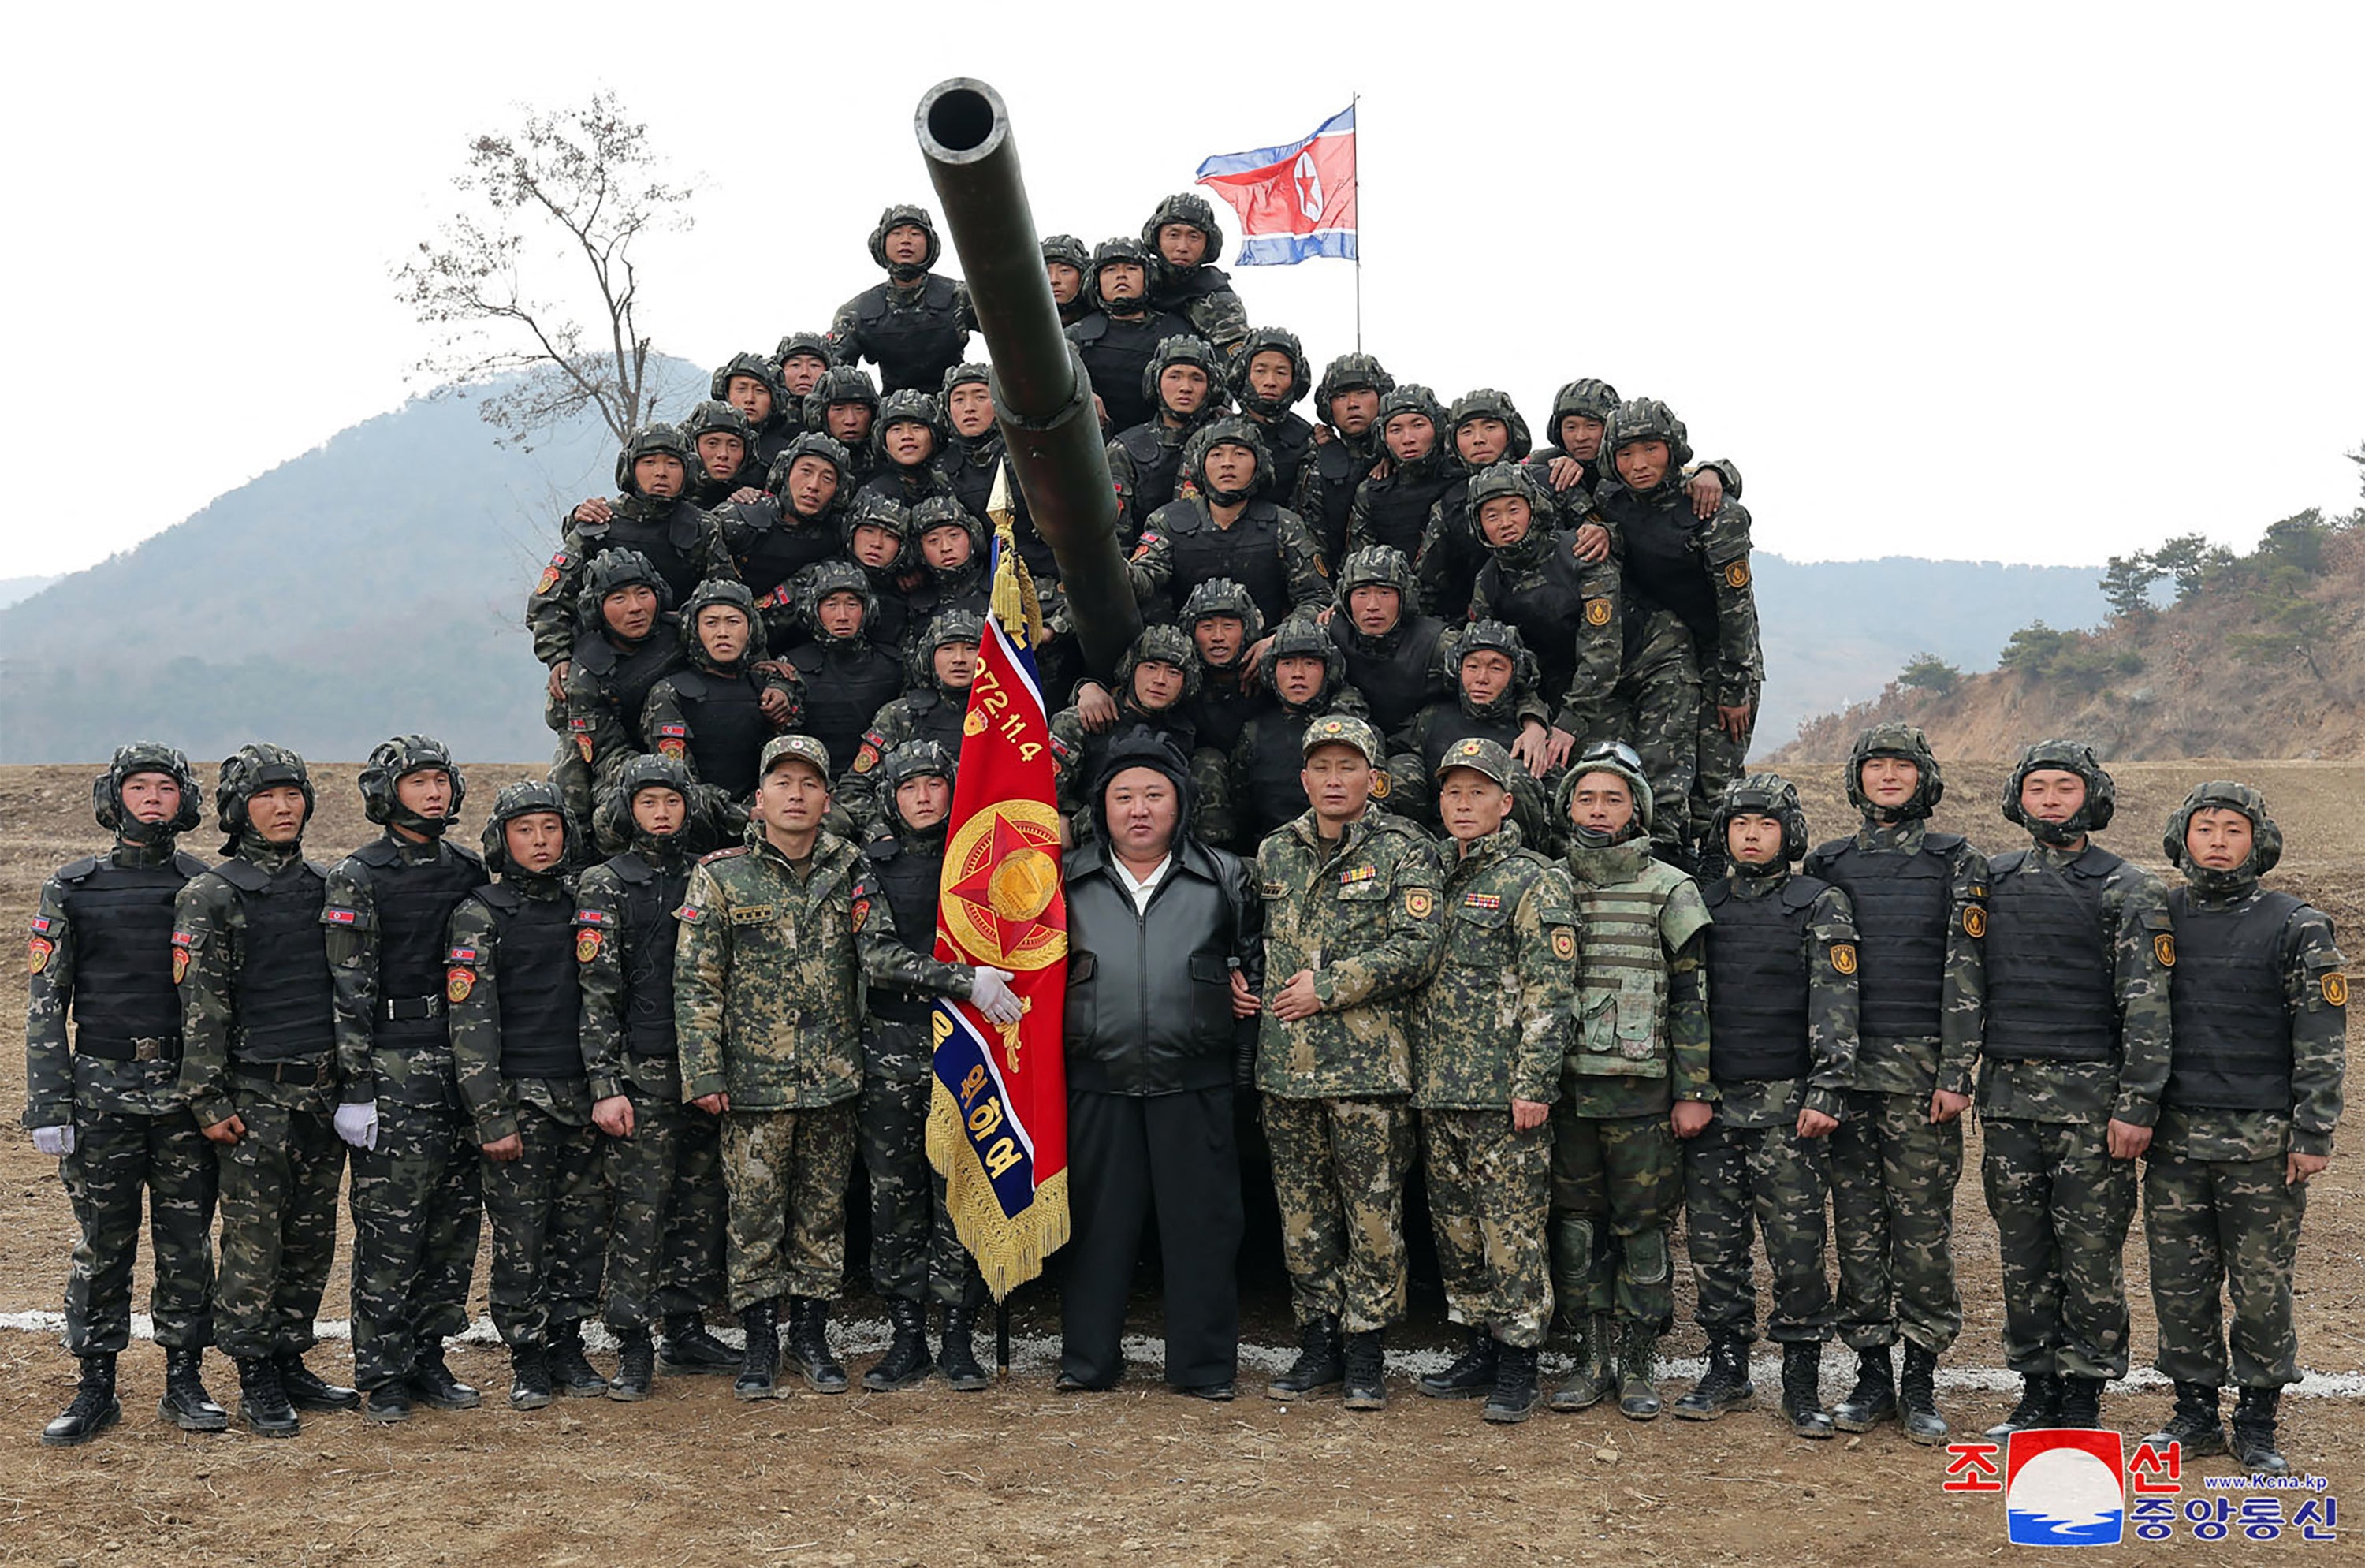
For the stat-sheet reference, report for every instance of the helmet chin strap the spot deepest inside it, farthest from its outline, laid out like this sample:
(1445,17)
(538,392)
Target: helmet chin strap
(906,272)
(2060,836)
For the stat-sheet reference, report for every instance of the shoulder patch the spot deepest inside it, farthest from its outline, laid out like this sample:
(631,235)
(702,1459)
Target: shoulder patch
(1843,956)
(557,567)
(2335,986)
(182,943)
(587,944)
(1737,574)
(461,956)
(1975,921)
(1564,943)
(861,912)
(1419,903)
(333,915)
(37,953)
(593,917)
(689,915)
(2163,948)
(42,923)
(458,981)
(1596,612)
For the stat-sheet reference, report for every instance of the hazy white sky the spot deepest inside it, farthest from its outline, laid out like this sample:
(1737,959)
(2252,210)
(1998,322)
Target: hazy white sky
(2033,283)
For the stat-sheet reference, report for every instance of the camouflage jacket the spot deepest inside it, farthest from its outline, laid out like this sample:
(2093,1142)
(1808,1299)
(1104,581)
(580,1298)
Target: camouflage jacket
(2135,918)
(493,1097)
(1492,1025)
(550,608)
(598,712)
(1640,1042)
(1361,915)
(1152,567)
(768,972)
(1831,962)
(208,951)
(411,1075)
(1949,1061)
(606,941)
(57,1081)
(1732,663)
(1597,631)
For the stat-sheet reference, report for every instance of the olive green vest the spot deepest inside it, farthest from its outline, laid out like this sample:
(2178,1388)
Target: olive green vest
(1628,935)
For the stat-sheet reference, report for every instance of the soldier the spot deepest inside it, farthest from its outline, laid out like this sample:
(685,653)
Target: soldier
(1636,1079)
(904,442)
(1185,244)
(1353,931)
(109,1111)
(2254,1092)
(1488,1034)
(723,455)
(916,1255)
(1268,762)
(716,715)
(1395,656)
(1222,526)
(1486,430)
(751,383)
(1921,912)
(933,708)
(1347,402)
(258,1068)
(1782,1037)
(1268,375)
(801,360)
(629,640)
(877,530)
(1183,382)
(777,536)
(2076,1051)
(416,1193)
(1222,622)
(843,406)
(683,545)
(847,677)
(973,455)
(1158,678)
(777,938)
(1119,336)
(1494,696)
(664,1170)
(1572,461)
(1066,262)
(1392,506)
(915,326)
(516,1043)
(953,553)
(1565,606)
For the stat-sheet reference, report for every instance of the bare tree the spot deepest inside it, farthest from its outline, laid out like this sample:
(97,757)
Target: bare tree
(578,184)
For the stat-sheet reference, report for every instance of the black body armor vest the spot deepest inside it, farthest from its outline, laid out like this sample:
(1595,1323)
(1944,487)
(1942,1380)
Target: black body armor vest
(414,901)
(540,996)
(2052,991)
(1757,988)
(1904,909)
(122,920)
(2232,1021)
(285,1004)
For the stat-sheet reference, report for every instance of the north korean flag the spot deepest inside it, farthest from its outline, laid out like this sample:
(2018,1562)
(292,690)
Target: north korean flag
(1295,201)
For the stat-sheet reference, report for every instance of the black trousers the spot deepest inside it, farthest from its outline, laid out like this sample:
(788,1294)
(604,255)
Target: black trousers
(1128,1156)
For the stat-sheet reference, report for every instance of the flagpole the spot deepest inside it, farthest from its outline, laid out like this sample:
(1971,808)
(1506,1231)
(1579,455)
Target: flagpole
(1354,106)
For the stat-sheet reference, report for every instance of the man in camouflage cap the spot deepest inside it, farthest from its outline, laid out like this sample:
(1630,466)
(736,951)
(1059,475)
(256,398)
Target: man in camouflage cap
(1921,913)
(1353,931)
(1782,1032)
(1635,1080)
(915,326)
(777,937)
(2080,946)
(2261,1002)
(108,1109)
(1488,1031)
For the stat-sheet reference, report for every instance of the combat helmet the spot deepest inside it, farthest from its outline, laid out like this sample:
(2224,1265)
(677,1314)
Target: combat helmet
(1487,403)
(1379,565)
(1068,251)
(1231,429)
(1765,795)
(613,820)
(1412,397)
(755,367)
(912,759)
(1184,348)
(813,444)
(247,772)
(908,406)
(2222,794)
(1501,637)
(1606,756)
(814,343)
(523,799)
(714,417)
(834,577)
(649,440)
(947,628)
(1896,738)
(389,763)
(1350,373)
(1164,645)
(945,511)
(1185,207)
(1509,478)
(1222,596)
(1270,340)
(1303,637)
(1587,397)
(840,384)
(1647,418)
(877,509)
(727,592)
(609,570)
(2068,756)
(1110,253)
(146,757)
(896,217)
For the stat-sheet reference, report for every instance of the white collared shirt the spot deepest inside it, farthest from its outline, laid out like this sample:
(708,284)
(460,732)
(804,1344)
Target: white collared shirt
(1141,890)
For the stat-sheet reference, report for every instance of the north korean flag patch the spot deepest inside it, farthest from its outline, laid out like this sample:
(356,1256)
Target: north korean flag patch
(42,923)
(333,916)
(689,915)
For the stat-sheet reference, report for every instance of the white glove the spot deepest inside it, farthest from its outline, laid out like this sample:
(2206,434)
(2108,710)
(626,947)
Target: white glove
(357,1124)
(55,1142)
(992,993)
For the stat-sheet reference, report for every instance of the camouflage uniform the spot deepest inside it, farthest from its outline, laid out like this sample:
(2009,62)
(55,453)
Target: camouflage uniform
(1203,294)
(1565,609)
(1490,1027)
(1361,914)
(602,702)
(1267,548)
(1334,469)
(915,326)
(417,1191)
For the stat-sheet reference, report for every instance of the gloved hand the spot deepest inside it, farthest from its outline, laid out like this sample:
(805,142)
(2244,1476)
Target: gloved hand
(357,1124)
(55,1142)
(992,993)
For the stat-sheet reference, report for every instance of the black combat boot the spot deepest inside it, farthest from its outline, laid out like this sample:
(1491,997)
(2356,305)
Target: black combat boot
(95,1407)
(906,1360)
(433,1385)
(760,1364)
(1873,1398)
(572,1375)
(1595,1373)
(262,1404)
(957,1356)
(307,1390)
(1917,1397)
(2080,1401)
(1514,1398)
(2040,1404)
(1638,1373)
(1802,1399)
(637,1365)
(529,1376)
(387,1403)
(2194,1425)
(186,1403)
(2253,1431)
(809,1345)
(1366,1372)
(689,1347)
(1472,1375)
(1320,1361)
(1725,1386)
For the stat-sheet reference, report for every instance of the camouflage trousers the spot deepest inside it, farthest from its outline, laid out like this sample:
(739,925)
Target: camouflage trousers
(418,1206)
(550,1228)
(1893,1176)
(571,776)
(278,1226)
(1720,761)
(1489,1192)
(665,1182)
(1339,1168)
(916,1254)
(1655,709)
(1775,1180)
(2231,1224)
(118,1155)
(1212,816)
(1616,1183)
(2062,1206)
(787,1172)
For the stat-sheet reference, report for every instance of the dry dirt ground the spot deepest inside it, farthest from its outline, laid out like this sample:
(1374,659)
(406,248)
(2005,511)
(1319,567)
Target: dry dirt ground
(1020,1473)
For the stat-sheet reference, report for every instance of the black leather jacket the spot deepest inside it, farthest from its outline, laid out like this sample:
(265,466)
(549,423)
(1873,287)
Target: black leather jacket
(1149,995)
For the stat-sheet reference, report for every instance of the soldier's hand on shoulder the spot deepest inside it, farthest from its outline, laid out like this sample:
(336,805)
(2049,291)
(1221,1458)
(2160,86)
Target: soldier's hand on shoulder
(559,679)
(596,510)
(1564,472)
(1705,489)
(1095,708)
(1592,543)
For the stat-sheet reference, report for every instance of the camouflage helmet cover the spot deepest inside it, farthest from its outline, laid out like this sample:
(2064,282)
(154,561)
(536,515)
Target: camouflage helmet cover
(650,441)
(1165,646)
(1222,596)
(611,570)
(247,772)
(1270,340)
(1896,738)
(1488,403)
(2067,756)
(1647,418)
(836,577)
(896,217)
(2225,794)
(1765,795)
(391,762)
(146,757)
(1190,207)
(523,799)
(1607,756)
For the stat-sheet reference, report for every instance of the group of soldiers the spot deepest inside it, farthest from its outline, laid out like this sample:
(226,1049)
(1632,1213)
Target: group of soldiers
(1475,713)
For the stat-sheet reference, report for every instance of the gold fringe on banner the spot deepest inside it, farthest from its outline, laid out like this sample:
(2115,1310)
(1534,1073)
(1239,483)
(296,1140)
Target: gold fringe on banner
(1009,1252)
